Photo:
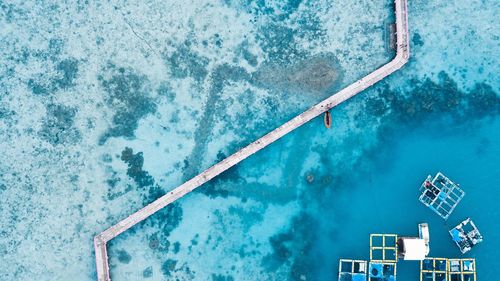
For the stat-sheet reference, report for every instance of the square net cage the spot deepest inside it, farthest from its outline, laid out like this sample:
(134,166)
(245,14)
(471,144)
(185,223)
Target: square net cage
(383,247)
(352,270)
(462,269)
(434,269)
(382,271)
(442,269)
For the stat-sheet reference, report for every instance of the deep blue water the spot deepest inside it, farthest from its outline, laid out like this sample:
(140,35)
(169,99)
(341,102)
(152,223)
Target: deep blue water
(107,105)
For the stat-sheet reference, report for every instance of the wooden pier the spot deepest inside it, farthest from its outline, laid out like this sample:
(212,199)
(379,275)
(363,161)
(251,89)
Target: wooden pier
(402,55)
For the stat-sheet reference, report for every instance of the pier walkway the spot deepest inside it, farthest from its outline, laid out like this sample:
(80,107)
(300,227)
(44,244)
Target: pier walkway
(402,55)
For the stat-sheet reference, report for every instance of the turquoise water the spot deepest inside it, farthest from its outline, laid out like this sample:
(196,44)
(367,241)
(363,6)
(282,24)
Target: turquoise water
(106,105)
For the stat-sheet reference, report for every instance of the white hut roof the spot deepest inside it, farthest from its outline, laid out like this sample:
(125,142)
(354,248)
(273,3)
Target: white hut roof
(415,249)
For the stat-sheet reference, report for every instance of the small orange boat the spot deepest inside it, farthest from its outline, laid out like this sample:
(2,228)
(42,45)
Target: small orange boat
(328,119)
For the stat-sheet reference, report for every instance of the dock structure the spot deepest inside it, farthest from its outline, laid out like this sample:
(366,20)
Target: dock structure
(401,58)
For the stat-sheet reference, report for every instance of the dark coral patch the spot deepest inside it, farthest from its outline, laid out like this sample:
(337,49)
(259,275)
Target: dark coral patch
(128,94)
(177,247)
(429,99)
(163,222)
(38,88)
(220,277)
(184,62)
(417,39)
(56,46)
(277,11)
(166,91)
(294,246)
(68,72)
(247,55)
(484,100)
(124,256)
(279,37)
(168,267)
(279,43)
(6,113)
(134,170)
(142,178)
(280,244)
(58,124)
(147,272)
(116,190)
(168,219)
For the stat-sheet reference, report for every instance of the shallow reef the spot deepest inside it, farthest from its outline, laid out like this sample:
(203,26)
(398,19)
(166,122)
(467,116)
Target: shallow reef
(106,106)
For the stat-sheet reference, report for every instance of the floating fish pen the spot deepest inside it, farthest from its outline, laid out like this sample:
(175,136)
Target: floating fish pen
(383,247)
(462,270)
(382,271)
(352,270)
(383,257)
(442,269)
(466,235)
(441,195)
(434,269)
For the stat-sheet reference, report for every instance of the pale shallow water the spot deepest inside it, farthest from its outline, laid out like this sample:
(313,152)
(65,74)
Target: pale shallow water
(104,106)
